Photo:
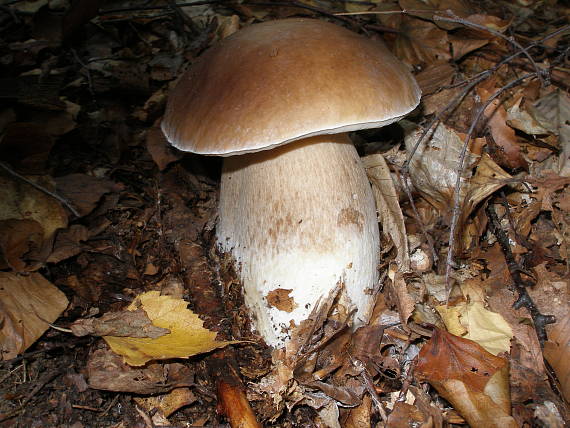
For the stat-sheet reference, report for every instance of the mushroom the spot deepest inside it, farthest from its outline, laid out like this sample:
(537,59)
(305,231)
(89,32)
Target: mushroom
(296,210)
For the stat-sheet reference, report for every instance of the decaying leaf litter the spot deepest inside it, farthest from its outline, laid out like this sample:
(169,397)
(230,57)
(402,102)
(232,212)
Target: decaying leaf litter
(465,320)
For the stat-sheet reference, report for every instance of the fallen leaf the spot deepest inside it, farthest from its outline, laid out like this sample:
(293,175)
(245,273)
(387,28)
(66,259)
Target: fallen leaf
(166,404)
(435,76)
(488,329)
(462,45)
(475,382)
(553,113)
(404,300)
(68,243)
(27,305)
(106,370)
(120,324)
(386,196)
(20,243)
(420,42)
(160,150)
(433,170)
(84,191)
(23,202)
(507,151)
(187,335)
(519,118)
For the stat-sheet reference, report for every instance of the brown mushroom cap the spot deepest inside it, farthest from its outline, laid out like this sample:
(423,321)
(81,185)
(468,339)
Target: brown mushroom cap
(280,81)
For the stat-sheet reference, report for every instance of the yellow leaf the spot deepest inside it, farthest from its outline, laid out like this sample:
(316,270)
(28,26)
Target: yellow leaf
(472,321)
(488,329)
(450,316)
(187,335)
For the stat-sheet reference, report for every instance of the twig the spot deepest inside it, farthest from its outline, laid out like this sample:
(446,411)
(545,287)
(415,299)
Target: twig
(61,199)
(524,300)
(167,6)
(385,12)
(457,196)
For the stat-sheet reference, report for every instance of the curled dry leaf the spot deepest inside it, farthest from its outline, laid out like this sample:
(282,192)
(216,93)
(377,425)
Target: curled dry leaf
(162,153)
(474,381)
(187,335)
(165,405)
(519,118)
(404,300)
(27,305)
(391,216)
(120,324)
(434,167)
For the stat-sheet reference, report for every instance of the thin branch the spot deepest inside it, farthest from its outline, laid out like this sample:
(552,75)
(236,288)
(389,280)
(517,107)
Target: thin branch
(457,196)
(524,300)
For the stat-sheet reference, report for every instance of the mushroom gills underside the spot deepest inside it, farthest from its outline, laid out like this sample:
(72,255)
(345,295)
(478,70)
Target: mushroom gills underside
(299,219)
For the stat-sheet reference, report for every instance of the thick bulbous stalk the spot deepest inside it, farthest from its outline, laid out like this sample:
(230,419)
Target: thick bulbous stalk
(298,219)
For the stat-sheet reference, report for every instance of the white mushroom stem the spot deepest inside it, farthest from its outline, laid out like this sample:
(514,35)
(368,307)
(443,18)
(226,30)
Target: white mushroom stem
(298,219)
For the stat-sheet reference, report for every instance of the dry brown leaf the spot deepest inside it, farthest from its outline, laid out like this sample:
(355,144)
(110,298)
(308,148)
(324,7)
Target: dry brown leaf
(488,178)
(20,242)
(404,300)
(120,324)
(519,118)
(491,22)
(507,151)
(435,76)
(391,217)
(26,147)
(474,381)
(106,370)
(161,151)
(406,415)
(23,202)
(27,305)
(187,335)
(553,113)
(84,191)
(68,243)
(433,171)
(462,45)
(421,42)
(166,404)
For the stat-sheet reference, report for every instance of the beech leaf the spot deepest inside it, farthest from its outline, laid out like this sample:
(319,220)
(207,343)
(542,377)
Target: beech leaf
(474,381)
(187,335)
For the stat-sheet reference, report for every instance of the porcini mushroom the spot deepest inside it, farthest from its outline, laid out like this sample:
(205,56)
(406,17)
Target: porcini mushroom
(296,210)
